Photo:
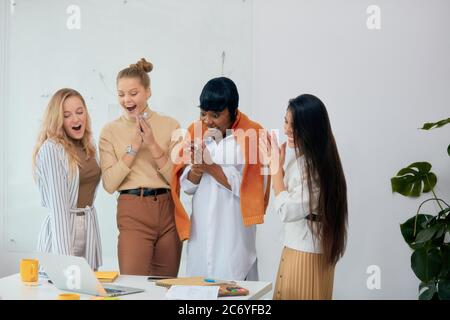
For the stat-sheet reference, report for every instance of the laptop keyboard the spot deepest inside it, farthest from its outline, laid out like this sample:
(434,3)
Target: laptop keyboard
(109,290)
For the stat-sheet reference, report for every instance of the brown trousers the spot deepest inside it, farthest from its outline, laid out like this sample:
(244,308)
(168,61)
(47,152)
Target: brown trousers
(148,239)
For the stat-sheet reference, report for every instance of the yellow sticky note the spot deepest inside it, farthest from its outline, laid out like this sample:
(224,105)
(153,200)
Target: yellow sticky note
(106,276)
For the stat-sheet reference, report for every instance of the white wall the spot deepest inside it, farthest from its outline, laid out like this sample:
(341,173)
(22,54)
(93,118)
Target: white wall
(184,40)
(3,81)
(379,86)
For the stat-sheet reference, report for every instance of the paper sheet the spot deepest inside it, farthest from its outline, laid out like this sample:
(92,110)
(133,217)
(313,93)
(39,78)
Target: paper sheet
(192,293)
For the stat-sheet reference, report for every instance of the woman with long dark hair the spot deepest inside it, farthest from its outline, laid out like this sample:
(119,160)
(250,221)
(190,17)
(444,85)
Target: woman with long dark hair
(311,200)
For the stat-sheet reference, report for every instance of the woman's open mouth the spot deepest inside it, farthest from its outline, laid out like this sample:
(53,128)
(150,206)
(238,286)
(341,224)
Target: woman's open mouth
(77,128)
(131,109)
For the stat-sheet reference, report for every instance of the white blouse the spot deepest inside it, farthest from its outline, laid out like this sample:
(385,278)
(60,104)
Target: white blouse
(220,246)
(292,205)
(59,195)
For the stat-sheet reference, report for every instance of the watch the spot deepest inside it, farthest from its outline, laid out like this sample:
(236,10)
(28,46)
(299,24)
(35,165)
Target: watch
(130,151)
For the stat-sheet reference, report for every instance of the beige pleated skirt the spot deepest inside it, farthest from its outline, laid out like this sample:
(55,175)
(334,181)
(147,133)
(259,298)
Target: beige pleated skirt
(303,276)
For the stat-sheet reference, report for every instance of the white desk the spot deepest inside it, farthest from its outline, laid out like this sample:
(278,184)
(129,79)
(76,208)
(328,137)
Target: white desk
(12,288)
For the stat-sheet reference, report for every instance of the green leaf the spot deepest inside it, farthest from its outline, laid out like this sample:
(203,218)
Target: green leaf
(443,213)
(407,170)
(444,290)
(426,234)
(441,230)
(445,270)
(417,186)
(414,179)
(407,229)
(429,292)
(429,183)
(433,232)
(431,125)
(426,264)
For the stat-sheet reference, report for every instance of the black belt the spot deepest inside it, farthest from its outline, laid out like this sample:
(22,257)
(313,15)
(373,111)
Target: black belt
(145,191)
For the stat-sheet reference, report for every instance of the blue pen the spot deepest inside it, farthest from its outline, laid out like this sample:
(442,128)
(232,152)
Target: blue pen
(219,281)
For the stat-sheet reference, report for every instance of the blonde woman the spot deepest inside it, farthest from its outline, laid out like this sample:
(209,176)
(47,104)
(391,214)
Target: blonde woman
(67,173)
(134,157)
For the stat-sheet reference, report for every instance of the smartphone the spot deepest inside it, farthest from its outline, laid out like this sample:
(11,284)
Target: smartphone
(144,117)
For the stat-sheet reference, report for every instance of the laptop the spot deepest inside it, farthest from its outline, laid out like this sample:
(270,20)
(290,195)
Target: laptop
(71,273)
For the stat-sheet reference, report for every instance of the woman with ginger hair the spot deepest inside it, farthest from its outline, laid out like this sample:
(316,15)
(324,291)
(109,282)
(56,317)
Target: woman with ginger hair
(134,157)
(67,174)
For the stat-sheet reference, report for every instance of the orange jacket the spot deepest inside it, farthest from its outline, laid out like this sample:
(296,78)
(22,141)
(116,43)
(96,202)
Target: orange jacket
(254,198)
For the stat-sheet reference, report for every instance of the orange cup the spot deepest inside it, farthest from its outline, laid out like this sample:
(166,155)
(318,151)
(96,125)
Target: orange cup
(69,296)
(29,270)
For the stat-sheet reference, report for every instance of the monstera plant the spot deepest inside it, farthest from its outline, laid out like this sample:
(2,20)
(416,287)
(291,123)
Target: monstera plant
(427,234)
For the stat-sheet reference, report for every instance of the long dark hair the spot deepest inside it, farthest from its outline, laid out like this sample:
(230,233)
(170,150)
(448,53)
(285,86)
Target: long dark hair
(314,139)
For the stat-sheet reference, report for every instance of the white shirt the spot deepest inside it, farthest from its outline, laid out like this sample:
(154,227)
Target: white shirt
(59,194)
(292,205)
(220,246)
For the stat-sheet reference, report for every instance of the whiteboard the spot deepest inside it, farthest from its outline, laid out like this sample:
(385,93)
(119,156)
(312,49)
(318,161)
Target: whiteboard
(83,44)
